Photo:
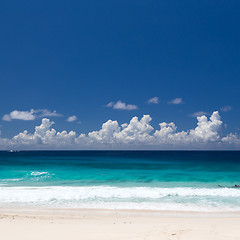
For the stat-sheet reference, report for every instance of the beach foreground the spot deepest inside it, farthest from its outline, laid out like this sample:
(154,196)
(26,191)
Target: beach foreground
(102,224)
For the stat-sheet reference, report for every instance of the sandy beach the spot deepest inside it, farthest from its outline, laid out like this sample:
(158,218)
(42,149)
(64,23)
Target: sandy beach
(111,224)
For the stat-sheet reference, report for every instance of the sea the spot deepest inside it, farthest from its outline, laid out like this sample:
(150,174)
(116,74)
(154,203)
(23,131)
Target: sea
(198,181)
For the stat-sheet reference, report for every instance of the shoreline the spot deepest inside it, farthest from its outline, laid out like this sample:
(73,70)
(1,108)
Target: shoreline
(69,212)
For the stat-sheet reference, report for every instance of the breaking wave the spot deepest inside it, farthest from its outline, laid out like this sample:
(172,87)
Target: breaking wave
(177,199)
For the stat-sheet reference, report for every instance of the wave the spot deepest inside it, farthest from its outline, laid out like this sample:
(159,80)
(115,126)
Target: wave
(32,176)
(194,199)
(39,173)
(86,192)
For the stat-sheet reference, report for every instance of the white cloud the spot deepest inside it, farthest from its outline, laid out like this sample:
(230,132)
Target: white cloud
(153,100)
(19,115)
(231,138)
(106,134)
(110,104)
(122,106)
(176,101)
(47,113)
(137,134)
(72,118)
(137,131)
(44,135)
(198,114)
(29,115)
(226,108)
(207,130)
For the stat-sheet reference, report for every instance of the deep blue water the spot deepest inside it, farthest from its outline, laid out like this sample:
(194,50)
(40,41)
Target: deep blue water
(167,180)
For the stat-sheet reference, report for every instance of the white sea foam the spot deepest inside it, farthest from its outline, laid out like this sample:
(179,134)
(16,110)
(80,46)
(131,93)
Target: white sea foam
(191,199)
(12,179)
(39,174)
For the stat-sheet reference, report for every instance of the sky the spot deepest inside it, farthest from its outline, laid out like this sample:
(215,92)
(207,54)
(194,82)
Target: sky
(120,74)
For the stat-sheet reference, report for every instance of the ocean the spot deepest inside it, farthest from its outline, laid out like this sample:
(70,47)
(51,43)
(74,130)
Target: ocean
(151,180)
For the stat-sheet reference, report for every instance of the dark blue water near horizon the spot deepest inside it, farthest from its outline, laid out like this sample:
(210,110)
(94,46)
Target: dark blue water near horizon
(131,179)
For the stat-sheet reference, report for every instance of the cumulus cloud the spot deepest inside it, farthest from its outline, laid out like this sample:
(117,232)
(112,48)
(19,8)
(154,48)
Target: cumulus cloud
(29,115)
(137,134)
(44,135)
(226,108)
(72,118)
(207,131)
(176,101)
(122,105)
(154,100)
(198,114)
(137,131)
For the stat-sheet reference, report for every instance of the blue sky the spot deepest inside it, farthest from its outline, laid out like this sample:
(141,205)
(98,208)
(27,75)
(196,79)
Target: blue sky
(76,57)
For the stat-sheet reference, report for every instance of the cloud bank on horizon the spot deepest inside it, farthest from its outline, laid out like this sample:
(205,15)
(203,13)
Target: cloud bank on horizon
(138,133)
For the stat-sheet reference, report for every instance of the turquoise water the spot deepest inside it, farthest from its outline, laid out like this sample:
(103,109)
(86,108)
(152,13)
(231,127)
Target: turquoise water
(196,181)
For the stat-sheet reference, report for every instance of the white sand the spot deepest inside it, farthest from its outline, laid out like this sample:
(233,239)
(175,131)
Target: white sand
(114,225)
